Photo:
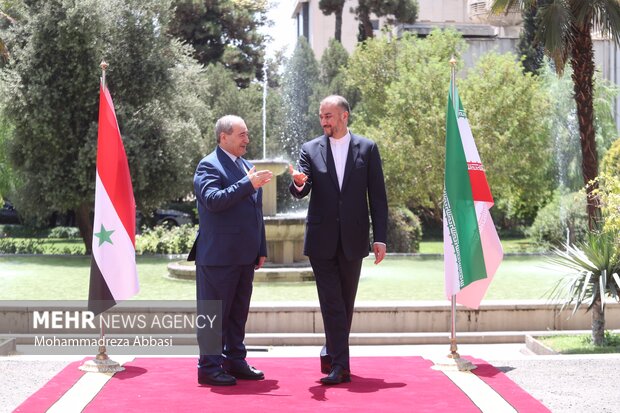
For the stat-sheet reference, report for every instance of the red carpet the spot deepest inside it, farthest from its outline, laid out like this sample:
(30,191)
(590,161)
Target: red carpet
(505,387)
(395,384)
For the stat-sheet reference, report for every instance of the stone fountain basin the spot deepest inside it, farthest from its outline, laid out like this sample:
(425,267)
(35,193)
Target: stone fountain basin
(186,270)
(277,166)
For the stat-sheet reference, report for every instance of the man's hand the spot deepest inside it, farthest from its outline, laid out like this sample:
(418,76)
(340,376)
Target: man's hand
(299,178)
(259,178)
(261,261)
(379,249)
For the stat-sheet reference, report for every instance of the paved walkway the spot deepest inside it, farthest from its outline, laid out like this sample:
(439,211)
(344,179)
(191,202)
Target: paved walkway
(579,383)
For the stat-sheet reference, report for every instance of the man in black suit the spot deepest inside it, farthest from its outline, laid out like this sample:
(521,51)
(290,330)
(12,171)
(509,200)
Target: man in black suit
(230,245)
(343,174)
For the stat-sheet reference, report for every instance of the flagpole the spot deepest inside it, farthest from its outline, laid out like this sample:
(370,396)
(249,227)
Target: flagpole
(453,347)
(102,363)
(454,359)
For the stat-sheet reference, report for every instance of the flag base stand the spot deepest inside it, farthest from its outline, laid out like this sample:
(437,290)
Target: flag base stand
(453,361)
(101,364)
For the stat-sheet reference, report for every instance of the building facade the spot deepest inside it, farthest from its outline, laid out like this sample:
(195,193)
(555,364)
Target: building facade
(483,31)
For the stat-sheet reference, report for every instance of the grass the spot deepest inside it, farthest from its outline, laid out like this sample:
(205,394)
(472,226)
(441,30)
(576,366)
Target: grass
(511,246)
(397,278)
(581,343)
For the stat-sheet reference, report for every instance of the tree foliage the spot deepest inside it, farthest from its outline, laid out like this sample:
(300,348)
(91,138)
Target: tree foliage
(402,11)
(404,87)
(529,46)
(565,30)
(564,129)
(332,79)
(49,94)
(7,184)
(224,31)
(225,98)
(514,145)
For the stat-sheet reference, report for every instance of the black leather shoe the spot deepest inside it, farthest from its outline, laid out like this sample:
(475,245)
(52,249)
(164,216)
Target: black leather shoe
(326,363)
(338,375)
(246,373)
(218,378)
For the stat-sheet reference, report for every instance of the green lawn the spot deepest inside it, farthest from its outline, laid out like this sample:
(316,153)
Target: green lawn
(581,343)
(397,278)
(511,246)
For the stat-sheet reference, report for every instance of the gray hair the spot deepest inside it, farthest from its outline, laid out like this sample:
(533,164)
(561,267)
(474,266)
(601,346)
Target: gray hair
(338,101)
(225,125)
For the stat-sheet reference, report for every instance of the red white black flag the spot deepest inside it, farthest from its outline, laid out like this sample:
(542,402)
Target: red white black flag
(113,274)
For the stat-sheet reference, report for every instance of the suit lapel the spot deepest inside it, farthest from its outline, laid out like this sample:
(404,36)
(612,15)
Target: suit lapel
(328,158)
(249,166)
(352,154)
(228,163)
(231,167)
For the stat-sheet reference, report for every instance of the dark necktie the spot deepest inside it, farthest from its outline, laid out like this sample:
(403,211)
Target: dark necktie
(240,165)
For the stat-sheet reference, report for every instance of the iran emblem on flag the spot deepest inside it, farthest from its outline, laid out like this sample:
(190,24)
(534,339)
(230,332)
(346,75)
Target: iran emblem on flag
(472,250)
(113,274)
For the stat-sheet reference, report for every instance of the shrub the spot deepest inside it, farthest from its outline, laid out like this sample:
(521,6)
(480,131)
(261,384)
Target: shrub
(564,211)
(611,160)
(64,232)
(65,250)
(20,246)
(404,230)
(21,231)
(161,240)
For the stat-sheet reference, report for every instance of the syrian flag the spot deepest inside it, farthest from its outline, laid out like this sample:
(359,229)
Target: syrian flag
(472,250)
(113,274)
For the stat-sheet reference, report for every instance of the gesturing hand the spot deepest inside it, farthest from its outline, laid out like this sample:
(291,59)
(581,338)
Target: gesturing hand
(299,178)
(259,178)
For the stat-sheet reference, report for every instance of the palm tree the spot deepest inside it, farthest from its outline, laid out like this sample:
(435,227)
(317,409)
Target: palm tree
(565,31)
(591,275)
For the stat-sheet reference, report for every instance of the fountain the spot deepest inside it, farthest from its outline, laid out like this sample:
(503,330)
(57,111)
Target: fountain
(284,232)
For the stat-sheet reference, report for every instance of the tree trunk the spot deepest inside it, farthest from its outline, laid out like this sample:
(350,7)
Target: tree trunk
(582,62)
(338,33)
(82,216)
(368,32)
(598,322)
(365,26)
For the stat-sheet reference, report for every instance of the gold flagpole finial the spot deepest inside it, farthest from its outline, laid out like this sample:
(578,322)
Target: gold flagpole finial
(104,66)
(453,61)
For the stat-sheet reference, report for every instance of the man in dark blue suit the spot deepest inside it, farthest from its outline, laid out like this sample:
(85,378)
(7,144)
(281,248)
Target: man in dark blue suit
(230,245)
(342,172)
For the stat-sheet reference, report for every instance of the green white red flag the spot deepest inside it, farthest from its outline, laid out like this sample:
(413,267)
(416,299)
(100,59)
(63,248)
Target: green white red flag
(472,250)
(113,274)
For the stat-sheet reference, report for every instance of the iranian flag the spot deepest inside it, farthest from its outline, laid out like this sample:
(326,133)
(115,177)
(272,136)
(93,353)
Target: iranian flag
(113,275)
(472,250)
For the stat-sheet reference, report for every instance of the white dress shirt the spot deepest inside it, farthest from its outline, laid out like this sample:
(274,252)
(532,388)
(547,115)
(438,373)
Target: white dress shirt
(340,150)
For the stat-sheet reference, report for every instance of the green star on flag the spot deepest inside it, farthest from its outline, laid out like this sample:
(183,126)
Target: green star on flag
(104,236)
